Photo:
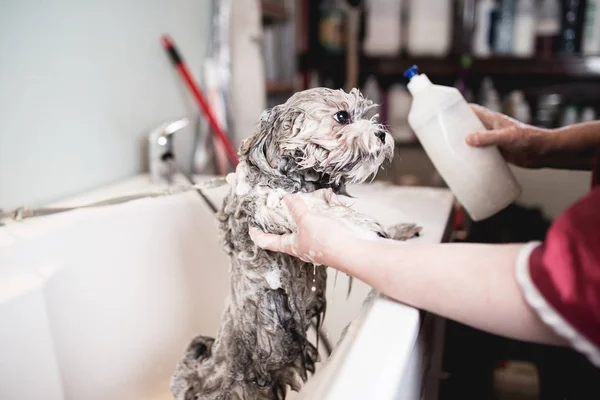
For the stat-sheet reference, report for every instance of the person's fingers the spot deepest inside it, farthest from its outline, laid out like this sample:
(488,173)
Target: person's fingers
(486,116)
(281,243)
(296,205)
(498,137)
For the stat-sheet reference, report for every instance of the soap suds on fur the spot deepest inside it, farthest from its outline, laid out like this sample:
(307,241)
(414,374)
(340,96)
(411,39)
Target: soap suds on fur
(242,187)
(273,278)
(274,198)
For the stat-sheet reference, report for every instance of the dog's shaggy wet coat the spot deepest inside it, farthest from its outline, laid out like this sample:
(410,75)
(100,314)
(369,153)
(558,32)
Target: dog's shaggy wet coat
(319,139)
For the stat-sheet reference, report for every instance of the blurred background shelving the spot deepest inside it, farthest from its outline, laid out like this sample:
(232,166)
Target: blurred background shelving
(278,44)
(273,11)
(565,66)
(550,67)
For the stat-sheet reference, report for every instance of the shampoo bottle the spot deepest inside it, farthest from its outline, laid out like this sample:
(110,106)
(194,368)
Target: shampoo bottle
(429,28)
(441,118)
(547,27)
(505,27)
(383,30)
(573,15)
(524,35)
(591,28)
(481,37)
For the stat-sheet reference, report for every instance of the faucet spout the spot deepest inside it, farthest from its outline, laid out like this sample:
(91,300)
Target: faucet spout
(161,157)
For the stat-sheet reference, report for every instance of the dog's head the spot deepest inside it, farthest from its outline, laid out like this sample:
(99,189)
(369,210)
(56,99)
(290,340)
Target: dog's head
(321,132)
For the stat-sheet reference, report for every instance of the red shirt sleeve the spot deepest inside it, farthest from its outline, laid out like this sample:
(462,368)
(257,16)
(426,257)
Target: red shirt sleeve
(560,278)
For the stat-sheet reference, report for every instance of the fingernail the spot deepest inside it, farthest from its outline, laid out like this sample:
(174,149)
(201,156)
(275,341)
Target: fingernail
(472,139)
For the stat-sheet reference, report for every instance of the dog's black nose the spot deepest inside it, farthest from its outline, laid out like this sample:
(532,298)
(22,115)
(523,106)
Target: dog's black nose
(380,135)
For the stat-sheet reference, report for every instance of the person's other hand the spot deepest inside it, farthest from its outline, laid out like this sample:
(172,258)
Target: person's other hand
(317,238)
(520,144)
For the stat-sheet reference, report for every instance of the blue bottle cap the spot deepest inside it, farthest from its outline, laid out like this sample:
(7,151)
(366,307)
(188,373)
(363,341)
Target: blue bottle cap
(411,72)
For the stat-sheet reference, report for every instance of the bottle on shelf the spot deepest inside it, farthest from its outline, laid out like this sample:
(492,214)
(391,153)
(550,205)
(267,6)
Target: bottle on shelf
(494,22)
(383,34)
(570,115)
(332,27)
(481,46)
(441,118)
(547,27)
(488,96)
(523,44)
(548,110)
(493,102)
(588,114)
(486,86)
(505,28)
(591,28)
(429,27)
(517,107)
(573,15)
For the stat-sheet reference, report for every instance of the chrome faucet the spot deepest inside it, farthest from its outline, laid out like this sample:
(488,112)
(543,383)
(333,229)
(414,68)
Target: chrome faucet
(161,157)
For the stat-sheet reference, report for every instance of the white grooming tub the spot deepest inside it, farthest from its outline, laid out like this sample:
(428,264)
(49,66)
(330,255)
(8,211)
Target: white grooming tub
(100,304)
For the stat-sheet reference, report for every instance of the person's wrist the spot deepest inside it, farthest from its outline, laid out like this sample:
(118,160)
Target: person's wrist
(337,247)
(550,140)
(541,145)
(568,148)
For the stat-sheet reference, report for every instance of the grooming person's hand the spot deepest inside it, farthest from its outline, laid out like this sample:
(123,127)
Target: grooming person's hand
(318,236)
(520,144)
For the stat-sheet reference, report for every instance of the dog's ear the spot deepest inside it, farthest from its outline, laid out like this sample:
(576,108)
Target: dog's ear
(257,136)
(261,148)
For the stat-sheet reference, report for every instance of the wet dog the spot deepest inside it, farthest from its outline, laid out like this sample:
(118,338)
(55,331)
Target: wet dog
(313,145)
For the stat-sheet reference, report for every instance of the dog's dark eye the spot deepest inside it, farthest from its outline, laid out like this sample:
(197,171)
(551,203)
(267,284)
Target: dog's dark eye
(342,117)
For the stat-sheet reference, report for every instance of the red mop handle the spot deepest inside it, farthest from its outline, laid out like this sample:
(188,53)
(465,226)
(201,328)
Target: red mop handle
(187,77)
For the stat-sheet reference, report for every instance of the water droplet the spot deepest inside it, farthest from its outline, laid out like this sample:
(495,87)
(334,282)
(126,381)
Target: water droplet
(313,288)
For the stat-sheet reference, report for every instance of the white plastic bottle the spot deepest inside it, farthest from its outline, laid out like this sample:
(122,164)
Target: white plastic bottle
(383,33)
(505,28)
(429,27)
(569,116)
(441,118)
(481,36)
(588,114)
(591,28)
(524,35)
(493,101)
(518,108)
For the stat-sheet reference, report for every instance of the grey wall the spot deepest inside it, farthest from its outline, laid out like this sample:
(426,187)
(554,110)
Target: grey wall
(80,83)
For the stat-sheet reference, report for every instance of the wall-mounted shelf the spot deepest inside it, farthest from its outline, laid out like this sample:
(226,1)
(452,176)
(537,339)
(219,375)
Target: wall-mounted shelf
(574,66)
(273,11)
(566,67)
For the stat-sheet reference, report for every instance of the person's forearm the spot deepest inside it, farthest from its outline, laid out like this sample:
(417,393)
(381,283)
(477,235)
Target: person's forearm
(450,280)
(573,146)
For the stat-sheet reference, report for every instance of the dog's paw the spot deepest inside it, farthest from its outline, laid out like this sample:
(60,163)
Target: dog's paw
(403,231)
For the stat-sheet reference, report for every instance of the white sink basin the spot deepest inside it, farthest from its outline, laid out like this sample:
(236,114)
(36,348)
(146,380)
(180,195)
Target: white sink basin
(100,303)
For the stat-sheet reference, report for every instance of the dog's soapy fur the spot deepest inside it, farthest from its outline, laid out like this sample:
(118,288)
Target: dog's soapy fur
(300,147)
